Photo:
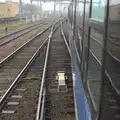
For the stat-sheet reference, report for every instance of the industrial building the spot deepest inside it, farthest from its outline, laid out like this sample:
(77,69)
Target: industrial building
(9,9)
(115,12)
(63,63)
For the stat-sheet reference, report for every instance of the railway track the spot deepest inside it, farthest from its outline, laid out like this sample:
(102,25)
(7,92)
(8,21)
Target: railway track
(15,31)
(14,63)
(28,86)
(15,44)
(59,60)
(8,38)
(20,100)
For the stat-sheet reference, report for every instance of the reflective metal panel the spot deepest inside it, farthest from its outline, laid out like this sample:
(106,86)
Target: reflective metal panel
(94,68)
(95,56)
(112,66)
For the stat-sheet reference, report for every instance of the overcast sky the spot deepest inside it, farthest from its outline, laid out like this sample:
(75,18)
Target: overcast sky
(115,2)
(27,1)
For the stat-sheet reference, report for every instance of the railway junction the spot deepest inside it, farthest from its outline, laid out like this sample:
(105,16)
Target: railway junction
(60,62)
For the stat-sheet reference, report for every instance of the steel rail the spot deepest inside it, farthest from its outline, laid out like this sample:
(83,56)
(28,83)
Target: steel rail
(14,38)
(21,47)
(76,50)
(39,113)
(43,80)
(64,38)
(43,104)
(18,78)
(19,31)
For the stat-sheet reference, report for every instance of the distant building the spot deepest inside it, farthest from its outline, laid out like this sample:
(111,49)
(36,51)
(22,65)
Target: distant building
(115,12)
(9,9)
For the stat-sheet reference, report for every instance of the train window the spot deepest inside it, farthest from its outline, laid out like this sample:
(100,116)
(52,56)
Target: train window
(113,43)
(94,68)
(113,48)
(111,73)
(114,20)
(98,9)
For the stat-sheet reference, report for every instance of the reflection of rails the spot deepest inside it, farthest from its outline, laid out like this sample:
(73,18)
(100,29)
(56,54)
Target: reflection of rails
(8,38)
(110,101)
(109,72)
(111,82)
(115,40)
(111,42)
(114,22)
(111,93)
(112,46)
